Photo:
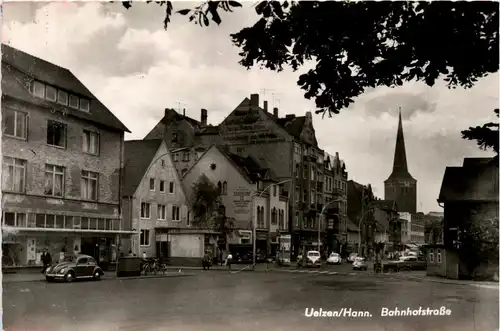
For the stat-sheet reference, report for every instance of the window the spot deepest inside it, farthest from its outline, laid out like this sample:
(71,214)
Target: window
(90,142)
(162,214)
(84,104)
(174,137)
(305,172)
(50,93)
(38,89)
(297,220)
(188,219)
(15,123)
(56,133)
(275,190)
(145,210)
(305,196)
(54,180)
(62,97)
(274,216)
(162,186)
(313,174)
(171,188)
(224,188)
(438,256)
(297,170)
(73,101)
(14,219)
(176,157)
(297,194)
(144,237)
(89,185)
(151,184)
(185,157)
(219,187)
(14,174)
(176,213)
(163,163)
(240,150)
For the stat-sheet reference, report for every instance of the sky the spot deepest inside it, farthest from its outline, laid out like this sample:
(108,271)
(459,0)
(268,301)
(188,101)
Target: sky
(137,69)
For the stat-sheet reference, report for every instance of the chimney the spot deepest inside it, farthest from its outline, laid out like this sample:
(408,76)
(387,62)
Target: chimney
(204,117)
(184,112)
(166,112)
(275,112)
(265,105)
(254,100)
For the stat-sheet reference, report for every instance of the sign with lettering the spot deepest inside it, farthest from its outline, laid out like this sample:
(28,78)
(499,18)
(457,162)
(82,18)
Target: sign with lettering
(244,131)
(242,198)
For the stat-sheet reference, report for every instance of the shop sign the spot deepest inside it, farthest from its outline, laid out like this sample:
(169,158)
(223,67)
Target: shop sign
(242,197)
(261,236)
(245,234)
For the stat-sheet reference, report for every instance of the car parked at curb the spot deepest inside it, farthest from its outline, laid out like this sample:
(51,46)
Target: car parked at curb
(359,264)
(312,259)
(74,267)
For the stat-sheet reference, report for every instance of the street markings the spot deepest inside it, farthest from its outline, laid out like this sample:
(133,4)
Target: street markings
(315,272)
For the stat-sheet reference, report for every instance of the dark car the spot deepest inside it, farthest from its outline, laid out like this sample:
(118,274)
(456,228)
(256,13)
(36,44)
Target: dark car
(74,267)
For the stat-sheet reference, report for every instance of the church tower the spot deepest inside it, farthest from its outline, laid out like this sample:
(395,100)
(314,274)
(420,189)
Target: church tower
(401,186)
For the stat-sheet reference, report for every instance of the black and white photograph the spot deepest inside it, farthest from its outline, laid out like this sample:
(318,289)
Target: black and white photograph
(250,165)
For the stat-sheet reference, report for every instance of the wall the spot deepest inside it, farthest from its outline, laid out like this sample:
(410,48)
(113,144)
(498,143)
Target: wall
(433,267)
(169,174)
(186,245)
(37,153)
(240,210)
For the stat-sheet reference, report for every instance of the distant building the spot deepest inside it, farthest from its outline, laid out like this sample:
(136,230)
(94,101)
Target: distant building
(154,203)
(361,214)
(387,224)
(434,228)
(401,186)
(249,195)
(62,165)
(412,228)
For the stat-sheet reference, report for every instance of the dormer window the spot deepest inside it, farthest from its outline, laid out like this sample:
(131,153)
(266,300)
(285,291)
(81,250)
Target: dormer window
(50,93)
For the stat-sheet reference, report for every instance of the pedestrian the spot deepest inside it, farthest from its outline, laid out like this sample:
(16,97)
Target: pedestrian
(229,260)
(144,256)
(220,258)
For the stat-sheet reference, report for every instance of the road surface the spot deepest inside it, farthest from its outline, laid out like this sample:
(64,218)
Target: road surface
(218,300)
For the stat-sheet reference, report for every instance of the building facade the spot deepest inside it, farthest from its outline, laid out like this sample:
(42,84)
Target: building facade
(401,186)
(249,195)
(387,224)
(62,165)
(361,212)
(155,205)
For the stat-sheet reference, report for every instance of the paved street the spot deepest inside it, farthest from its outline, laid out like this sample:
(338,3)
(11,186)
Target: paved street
(244,301)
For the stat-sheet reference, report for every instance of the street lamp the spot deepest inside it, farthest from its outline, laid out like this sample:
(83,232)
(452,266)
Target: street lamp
(321,217)
(254,223)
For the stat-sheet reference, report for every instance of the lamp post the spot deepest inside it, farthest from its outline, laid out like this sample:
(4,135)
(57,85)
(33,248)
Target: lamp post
(254,223)
(321,218)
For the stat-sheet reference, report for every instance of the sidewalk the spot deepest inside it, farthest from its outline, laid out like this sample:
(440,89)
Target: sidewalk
(108,275)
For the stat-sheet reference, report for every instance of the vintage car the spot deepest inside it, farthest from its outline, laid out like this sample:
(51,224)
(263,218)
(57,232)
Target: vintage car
(359,264)
(334,258)
(406,263)
(74,267)
(312,260)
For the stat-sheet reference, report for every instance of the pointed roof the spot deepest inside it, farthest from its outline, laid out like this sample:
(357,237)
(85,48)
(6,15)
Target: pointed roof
(52,74)
(138,156)
(400,165)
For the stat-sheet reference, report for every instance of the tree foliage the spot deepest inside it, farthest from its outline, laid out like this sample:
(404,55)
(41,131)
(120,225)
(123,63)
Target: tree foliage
(486,136)
(360,45)
(205,202)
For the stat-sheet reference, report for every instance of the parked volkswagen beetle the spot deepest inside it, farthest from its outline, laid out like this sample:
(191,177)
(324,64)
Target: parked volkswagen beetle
(74,267)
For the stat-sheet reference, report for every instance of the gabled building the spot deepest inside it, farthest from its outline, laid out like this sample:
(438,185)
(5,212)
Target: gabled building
(248,194)
(154,203)
(469,196)
(62,165)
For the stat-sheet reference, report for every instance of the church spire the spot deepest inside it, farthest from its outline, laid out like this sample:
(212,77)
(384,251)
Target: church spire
(400,166)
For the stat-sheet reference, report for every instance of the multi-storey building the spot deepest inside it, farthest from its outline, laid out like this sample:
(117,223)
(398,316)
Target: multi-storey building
(335,182)
(154,203)
(387,224)
(62,164)
(249,195)
(361,212)
(286,145)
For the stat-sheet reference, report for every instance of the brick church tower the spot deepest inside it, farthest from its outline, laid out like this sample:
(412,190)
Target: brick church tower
(401,186)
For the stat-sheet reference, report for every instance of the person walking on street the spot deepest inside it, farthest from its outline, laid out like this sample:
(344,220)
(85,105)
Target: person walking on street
(46,260)
(229,260)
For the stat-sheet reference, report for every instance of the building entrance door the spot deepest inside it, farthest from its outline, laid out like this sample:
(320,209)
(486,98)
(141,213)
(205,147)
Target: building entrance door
(162,249)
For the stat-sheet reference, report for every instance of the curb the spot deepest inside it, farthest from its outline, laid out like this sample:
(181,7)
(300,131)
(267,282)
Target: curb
(183,274)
